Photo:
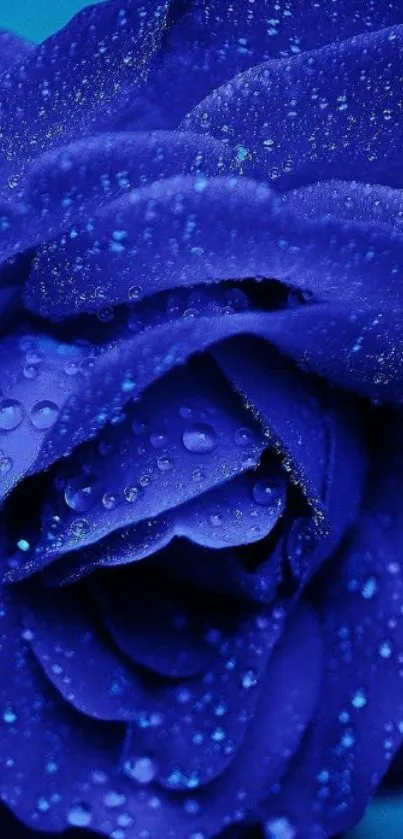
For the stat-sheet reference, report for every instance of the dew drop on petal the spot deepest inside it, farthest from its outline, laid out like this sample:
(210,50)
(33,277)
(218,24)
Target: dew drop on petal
(79,815)
(359,699)
(114,799)
(142,770)
(9,716)
(265,493)
(165,463)
(80,527)
(200,438)
(11,414)
(6,464)
(44,414)
(82,493)
(134,292)
(280,828)
(108,500)
(243,437)
(158,439)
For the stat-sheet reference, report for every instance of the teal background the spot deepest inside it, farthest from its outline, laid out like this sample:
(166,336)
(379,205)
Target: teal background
(36,20)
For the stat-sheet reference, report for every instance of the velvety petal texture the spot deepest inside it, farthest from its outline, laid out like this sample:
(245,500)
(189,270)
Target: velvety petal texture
(201,387)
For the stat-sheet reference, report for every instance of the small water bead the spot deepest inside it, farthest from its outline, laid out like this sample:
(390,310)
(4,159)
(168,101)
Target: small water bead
(33,357)
(385,649)
(131,493)
(30,371)
(280,828)
(369,588)
(200,438)
(23,545)
(106,315)
(139,427)
(79,816)
(80,527)
(266,493)
(359,699)
(216,519)
(243,437)
(108,500)
(134,292)
(158,439)
(249,679)
(44,414)
(82,493)
(6,464)
(165,463)
(71,368)
(11,414)
(9,716)
(142,770)
(114,799)
(186,411)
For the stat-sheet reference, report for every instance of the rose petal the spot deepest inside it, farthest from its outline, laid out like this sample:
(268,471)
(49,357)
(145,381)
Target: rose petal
(195,229)
(339,765)
(306,118)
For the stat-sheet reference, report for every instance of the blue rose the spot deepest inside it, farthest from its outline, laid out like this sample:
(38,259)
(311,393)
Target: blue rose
(201,459)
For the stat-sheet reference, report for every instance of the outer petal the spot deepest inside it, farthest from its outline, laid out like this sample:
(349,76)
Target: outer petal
(339,765)
(105,47)
(194,229)
(74,766)
(307,119)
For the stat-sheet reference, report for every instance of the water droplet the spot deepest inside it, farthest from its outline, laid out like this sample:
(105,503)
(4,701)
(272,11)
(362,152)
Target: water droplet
(108,500)
(199,438)
(71,368)
(23,545)
(280,828)
(82,493)
(106,315)
(6,464)
(9,716)
(369,588)
(13,181)
(80,527)
(186,411)
(243,437)
(30,371)
(113,799)
(216,520)
(359,699)
(79,815)
(385,649)
(266,493)
(131,493)
(134,292)
(249,679)
(165,463)
(44,415)
(158,439)
(141,770)
(11,414)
